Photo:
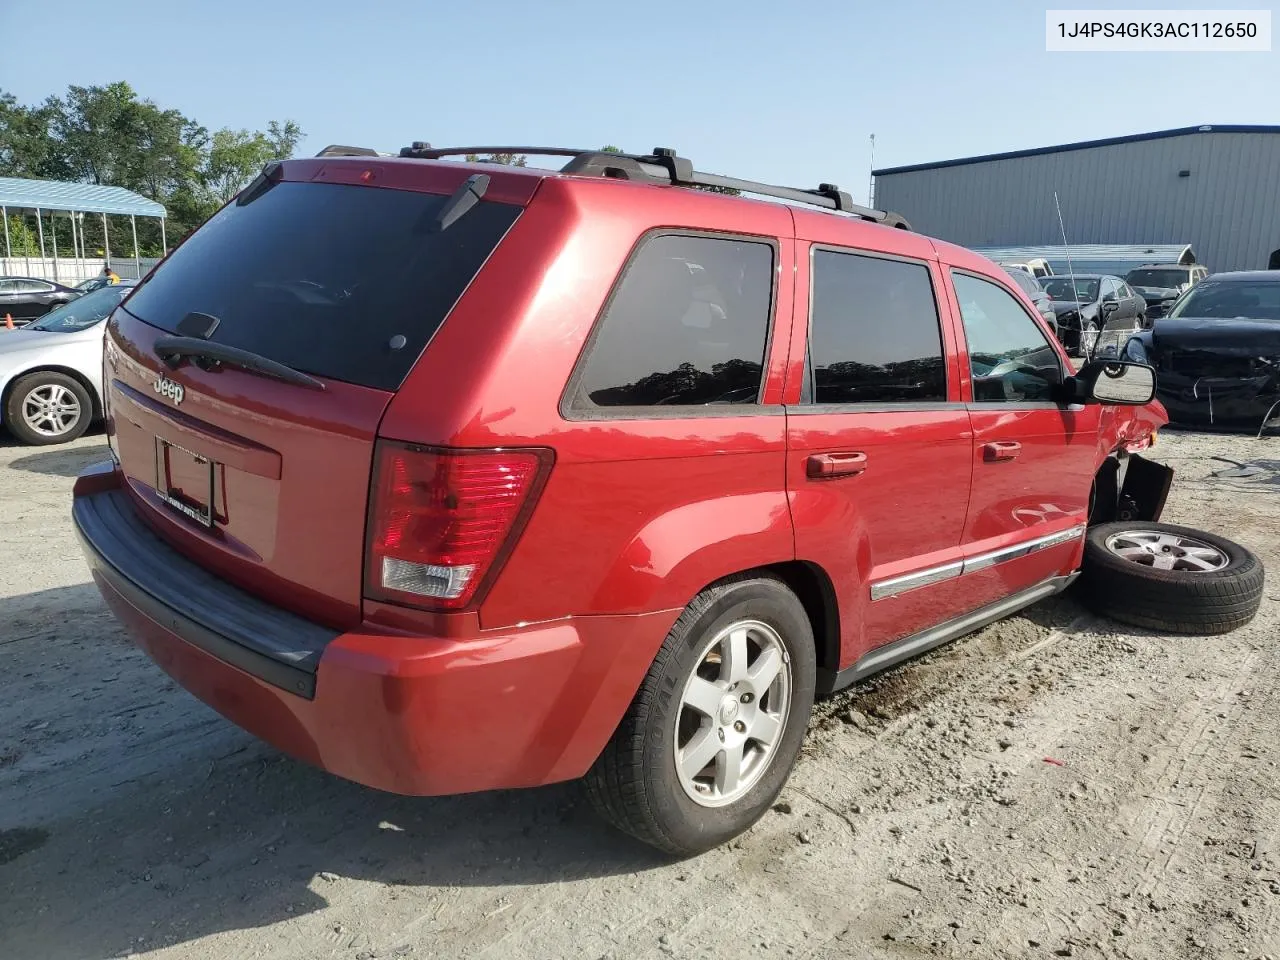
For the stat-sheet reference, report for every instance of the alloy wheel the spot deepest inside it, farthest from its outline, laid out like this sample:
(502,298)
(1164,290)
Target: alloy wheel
(51,410)
(733,711)
(1166,551)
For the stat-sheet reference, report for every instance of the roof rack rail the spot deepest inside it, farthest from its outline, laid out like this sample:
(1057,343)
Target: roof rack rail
(665,165)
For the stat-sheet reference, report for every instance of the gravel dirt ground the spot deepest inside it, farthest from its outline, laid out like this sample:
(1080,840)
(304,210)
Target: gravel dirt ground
(1055,785)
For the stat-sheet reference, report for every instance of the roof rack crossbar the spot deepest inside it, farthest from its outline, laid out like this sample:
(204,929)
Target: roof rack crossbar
(665,165)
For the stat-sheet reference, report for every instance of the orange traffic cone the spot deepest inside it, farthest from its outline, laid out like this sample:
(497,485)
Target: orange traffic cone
(8,322)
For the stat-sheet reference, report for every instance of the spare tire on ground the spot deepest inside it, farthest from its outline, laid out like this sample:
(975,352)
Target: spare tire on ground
(1169,578)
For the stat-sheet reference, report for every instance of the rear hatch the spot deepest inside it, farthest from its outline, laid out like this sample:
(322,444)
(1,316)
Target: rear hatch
(315,299)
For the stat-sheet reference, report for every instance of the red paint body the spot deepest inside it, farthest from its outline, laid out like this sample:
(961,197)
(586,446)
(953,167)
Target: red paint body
(635,518)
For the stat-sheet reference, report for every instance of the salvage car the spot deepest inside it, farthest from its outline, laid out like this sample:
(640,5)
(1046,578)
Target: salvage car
(1161,284)
(1217,354)
(51,370)
(1035,293)
(450,477)
(1093,309)
(24,299)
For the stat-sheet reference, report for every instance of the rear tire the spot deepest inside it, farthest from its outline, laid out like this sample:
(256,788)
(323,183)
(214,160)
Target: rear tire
(645,782)
(1209,585)
(47,407)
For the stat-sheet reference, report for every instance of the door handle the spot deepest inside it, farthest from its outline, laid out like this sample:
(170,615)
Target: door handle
(825,466)
(1001,450)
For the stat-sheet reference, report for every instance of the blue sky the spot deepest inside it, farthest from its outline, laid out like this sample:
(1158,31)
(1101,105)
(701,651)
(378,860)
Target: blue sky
(785,92)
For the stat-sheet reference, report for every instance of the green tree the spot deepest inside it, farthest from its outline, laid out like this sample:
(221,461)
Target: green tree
(22,238)
(283,138)
(109,135)
(509,159)
(24,139)
(235,157)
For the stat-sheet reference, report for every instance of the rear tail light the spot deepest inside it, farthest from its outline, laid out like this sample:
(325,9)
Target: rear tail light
(442,522)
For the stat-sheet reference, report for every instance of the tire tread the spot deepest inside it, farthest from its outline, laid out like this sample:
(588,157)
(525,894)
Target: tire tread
(1171,601)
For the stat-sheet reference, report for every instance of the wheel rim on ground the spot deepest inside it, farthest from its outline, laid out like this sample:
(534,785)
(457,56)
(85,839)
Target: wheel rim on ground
(732,713)
(51,410)
(1166,551)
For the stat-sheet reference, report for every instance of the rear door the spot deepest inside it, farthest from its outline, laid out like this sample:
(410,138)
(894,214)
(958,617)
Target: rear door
(1135,306)
(32,299)
(262,480)
(1032,457)
(9,299)
(879,443)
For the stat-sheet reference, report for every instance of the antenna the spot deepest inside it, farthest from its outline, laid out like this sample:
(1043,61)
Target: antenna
(871,177)
(1071,272)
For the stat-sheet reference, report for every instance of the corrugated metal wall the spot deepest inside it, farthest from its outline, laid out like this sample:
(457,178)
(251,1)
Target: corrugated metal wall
(1228,209)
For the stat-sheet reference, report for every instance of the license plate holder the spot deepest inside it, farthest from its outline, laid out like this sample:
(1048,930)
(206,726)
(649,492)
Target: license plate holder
(185,481)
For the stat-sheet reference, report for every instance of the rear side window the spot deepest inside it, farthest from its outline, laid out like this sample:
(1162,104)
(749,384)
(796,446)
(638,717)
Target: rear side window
(327,278)
(687,325)
(874,335)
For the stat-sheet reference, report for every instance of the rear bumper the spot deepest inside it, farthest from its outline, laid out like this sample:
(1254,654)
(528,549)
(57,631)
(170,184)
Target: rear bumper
(408,714)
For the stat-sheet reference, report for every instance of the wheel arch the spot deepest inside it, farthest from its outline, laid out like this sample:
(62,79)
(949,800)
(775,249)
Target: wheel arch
(1127,486)
(71,372)
(816,592)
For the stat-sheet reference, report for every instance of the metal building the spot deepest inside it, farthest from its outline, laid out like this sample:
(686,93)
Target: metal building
(1215,188)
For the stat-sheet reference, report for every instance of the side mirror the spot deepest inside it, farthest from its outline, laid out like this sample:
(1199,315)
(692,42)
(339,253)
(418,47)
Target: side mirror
(1115,382)
(1110,306)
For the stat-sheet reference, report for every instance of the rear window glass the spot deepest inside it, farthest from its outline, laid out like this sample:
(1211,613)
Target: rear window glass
(1164,279)
(324,277)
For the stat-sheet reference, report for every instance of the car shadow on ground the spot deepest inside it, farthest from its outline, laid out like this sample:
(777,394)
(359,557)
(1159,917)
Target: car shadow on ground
(232,835)
(57,461)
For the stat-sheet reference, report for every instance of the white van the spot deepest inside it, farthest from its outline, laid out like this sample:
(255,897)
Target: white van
(1037,267)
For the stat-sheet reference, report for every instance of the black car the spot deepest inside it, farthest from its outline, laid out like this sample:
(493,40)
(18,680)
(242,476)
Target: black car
(1217,353)
(26,298)
(1031,287)
(1094,310)
(1161,284)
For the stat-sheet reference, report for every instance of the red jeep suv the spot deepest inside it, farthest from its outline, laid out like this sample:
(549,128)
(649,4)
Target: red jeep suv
(448,477)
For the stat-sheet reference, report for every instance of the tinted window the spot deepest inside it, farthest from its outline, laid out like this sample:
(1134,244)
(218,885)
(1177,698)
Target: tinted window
(873,331)
(1156,278)
(686,325)
(1255,300)
(32,286)
(8,286)
(322,277)
(1009,357)
(1064,288)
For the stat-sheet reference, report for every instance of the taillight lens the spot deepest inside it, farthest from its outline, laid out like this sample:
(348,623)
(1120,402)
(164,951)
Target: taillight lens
(441,522)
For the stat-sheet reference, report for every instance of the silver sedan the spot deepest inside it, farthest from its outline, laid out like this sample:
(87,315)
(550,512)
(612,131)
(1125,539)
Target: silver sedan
(51,370)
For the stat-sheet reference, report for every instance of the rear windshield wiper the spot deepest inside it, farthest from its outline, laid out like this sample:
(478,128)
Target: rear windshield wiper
(172,349)
(461,201)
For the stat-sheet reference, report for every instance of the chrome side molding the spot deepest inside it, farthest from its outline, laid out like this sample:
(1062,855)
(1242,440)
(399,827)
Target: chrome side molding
(894,586)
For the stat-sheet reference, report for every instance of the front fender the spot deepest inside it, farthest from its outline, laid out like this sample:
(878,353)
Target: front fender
(676,554)
(1129,429)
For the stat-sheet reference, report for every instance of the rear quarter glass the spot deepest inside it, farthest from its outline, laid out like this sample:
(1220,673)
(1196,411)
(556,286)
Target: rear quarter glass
(327,278)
